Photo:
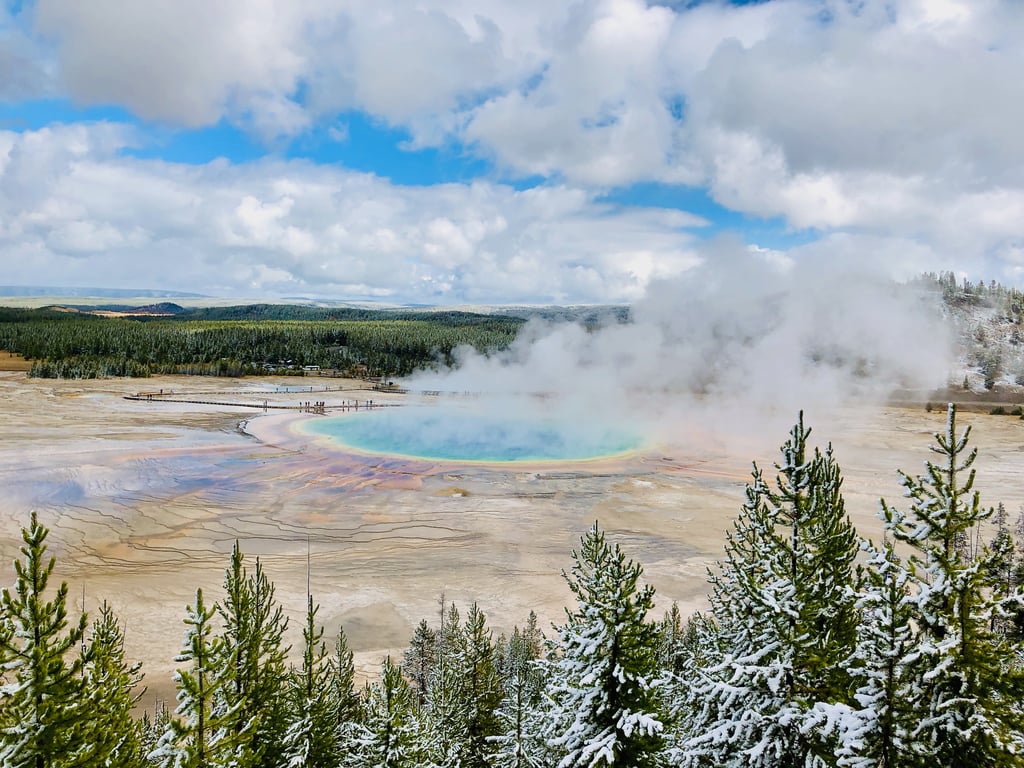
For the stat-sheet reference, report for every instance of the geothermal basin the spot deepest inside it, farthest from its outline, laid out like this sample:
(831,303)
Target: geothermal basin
(145,500)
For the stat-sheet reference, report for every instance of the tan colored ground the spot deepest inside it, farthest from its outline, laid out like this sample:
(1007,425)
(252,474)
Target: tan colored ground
(145,500)
(12,362)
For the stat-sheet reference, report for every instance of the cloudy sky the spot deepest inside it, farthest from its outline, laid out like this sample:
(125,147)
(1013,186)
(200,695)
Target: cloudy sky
(487,151)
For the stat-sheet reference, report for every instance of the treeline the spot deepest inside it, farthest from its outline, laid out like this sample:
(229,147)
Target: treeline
(820,649)
(989,318)
(1008,301)
(67,345)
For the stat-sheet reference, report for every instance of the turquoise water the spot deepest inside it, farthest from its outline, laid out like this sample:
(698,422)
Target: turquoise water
(464,435)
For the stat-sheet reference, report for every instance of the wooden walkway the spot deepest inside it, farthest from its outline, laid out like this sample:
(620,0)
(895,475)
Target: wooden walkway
(265,405)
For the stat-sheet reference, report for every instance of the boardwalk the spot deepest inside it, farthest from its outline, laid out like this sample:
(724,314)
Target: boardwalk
(265,400)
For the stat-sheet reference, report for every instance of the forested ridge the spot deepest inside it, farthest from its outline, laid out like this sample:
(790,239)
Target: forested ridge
(820,648)
(165,338)
(258,339)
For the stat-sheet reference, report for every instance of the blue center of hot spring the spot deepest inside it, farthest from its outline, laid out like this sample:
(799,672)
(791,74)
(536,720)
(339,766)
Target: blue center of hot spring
(454,434)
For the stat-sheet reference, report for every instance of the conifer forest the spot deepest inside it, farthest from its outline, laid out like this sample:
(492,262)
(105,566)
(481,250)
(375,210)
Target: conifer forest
(237,341)
(819,648)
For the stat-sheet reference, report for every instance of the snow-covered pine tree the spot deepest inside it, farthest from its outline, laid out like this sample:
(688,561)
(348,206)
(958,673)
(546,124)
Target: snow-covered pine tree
(45,721)
(519,744)
(603,707)
(311,740)
(389,737)
(1016,628)
(875,731)
(966,681)
(195,738)
(683,656)
(152,728)
(481,690)
(670,640)
(344,699)
(252,664)
(111,687)
(785,620)
(1000,562)
(447,709)
(419,658)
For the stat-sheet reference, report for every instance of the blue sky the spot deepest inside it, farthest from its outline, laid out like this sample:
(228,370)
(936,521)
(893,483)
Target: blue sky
(489,152)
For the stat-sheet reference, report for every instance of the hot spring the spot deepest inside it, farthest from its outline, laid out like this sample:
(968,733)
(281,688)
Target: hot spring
(473,434)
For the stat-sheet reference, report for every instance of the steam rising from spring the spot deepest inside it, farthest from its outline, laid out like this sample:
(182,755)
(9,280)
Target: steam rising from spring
(741,342)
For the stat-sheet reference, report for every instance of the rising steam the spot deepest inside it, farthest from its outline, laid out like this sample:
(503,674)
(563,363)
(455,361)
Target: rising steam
(740,340)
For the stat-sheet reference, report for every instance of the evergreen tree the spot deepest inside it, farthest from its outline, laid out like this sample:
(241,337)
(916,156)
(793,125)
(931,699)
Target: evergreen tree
(684,655)
(252,663)
(344,699)
(110,685)
(197,737)
(419,659)
(481,690)
(389,736)
(45,720)
(967,686)
(1000,562)
(447,709)
(519,741)
(671,641)
(312,737)
(604,708)
(876,731)
(152,729)
(785,617)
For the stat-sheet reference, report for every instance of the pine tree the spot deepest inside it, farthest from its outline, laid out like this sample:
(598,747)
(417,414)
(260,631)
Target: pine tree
(447,710)
(784,614)
(966,685)
(1000,566)
(152,729)
(419,658)
(197,737)
(45,721)
(604,708)
(876,731)
(389,736)
(110,687)
(519,743)
(252,664)
(344,699)
(683,655)
(481,690)
(311,740)
(670,640)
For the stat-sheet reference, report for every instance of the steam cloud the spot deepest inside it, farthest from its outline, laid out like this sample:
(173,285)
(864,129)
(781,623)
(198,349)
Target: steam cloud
(740,343)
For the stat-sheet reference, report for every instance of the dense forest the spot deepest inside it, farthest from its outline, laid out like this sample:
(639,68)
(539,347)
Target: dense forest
(165,338)
(820,648)
(249,340)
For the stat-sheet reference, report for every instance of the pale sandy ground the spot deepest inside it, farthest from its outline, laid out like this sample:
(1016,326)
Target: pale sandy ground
(146,499)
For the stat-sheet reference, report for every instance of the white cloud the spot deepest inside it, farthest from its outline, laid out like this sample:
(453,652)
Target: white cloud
(186,62)
(896,120)
(290,227)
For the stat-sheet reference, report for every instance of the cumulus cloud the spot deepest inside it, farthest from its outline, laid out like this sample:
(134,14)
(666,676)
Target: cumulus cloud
(281,227)
(887,119)
(186,62)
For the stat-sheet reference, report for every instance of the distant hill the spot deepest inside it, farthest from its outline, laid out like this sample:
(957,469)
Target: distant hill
(162,309)
(988,320)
